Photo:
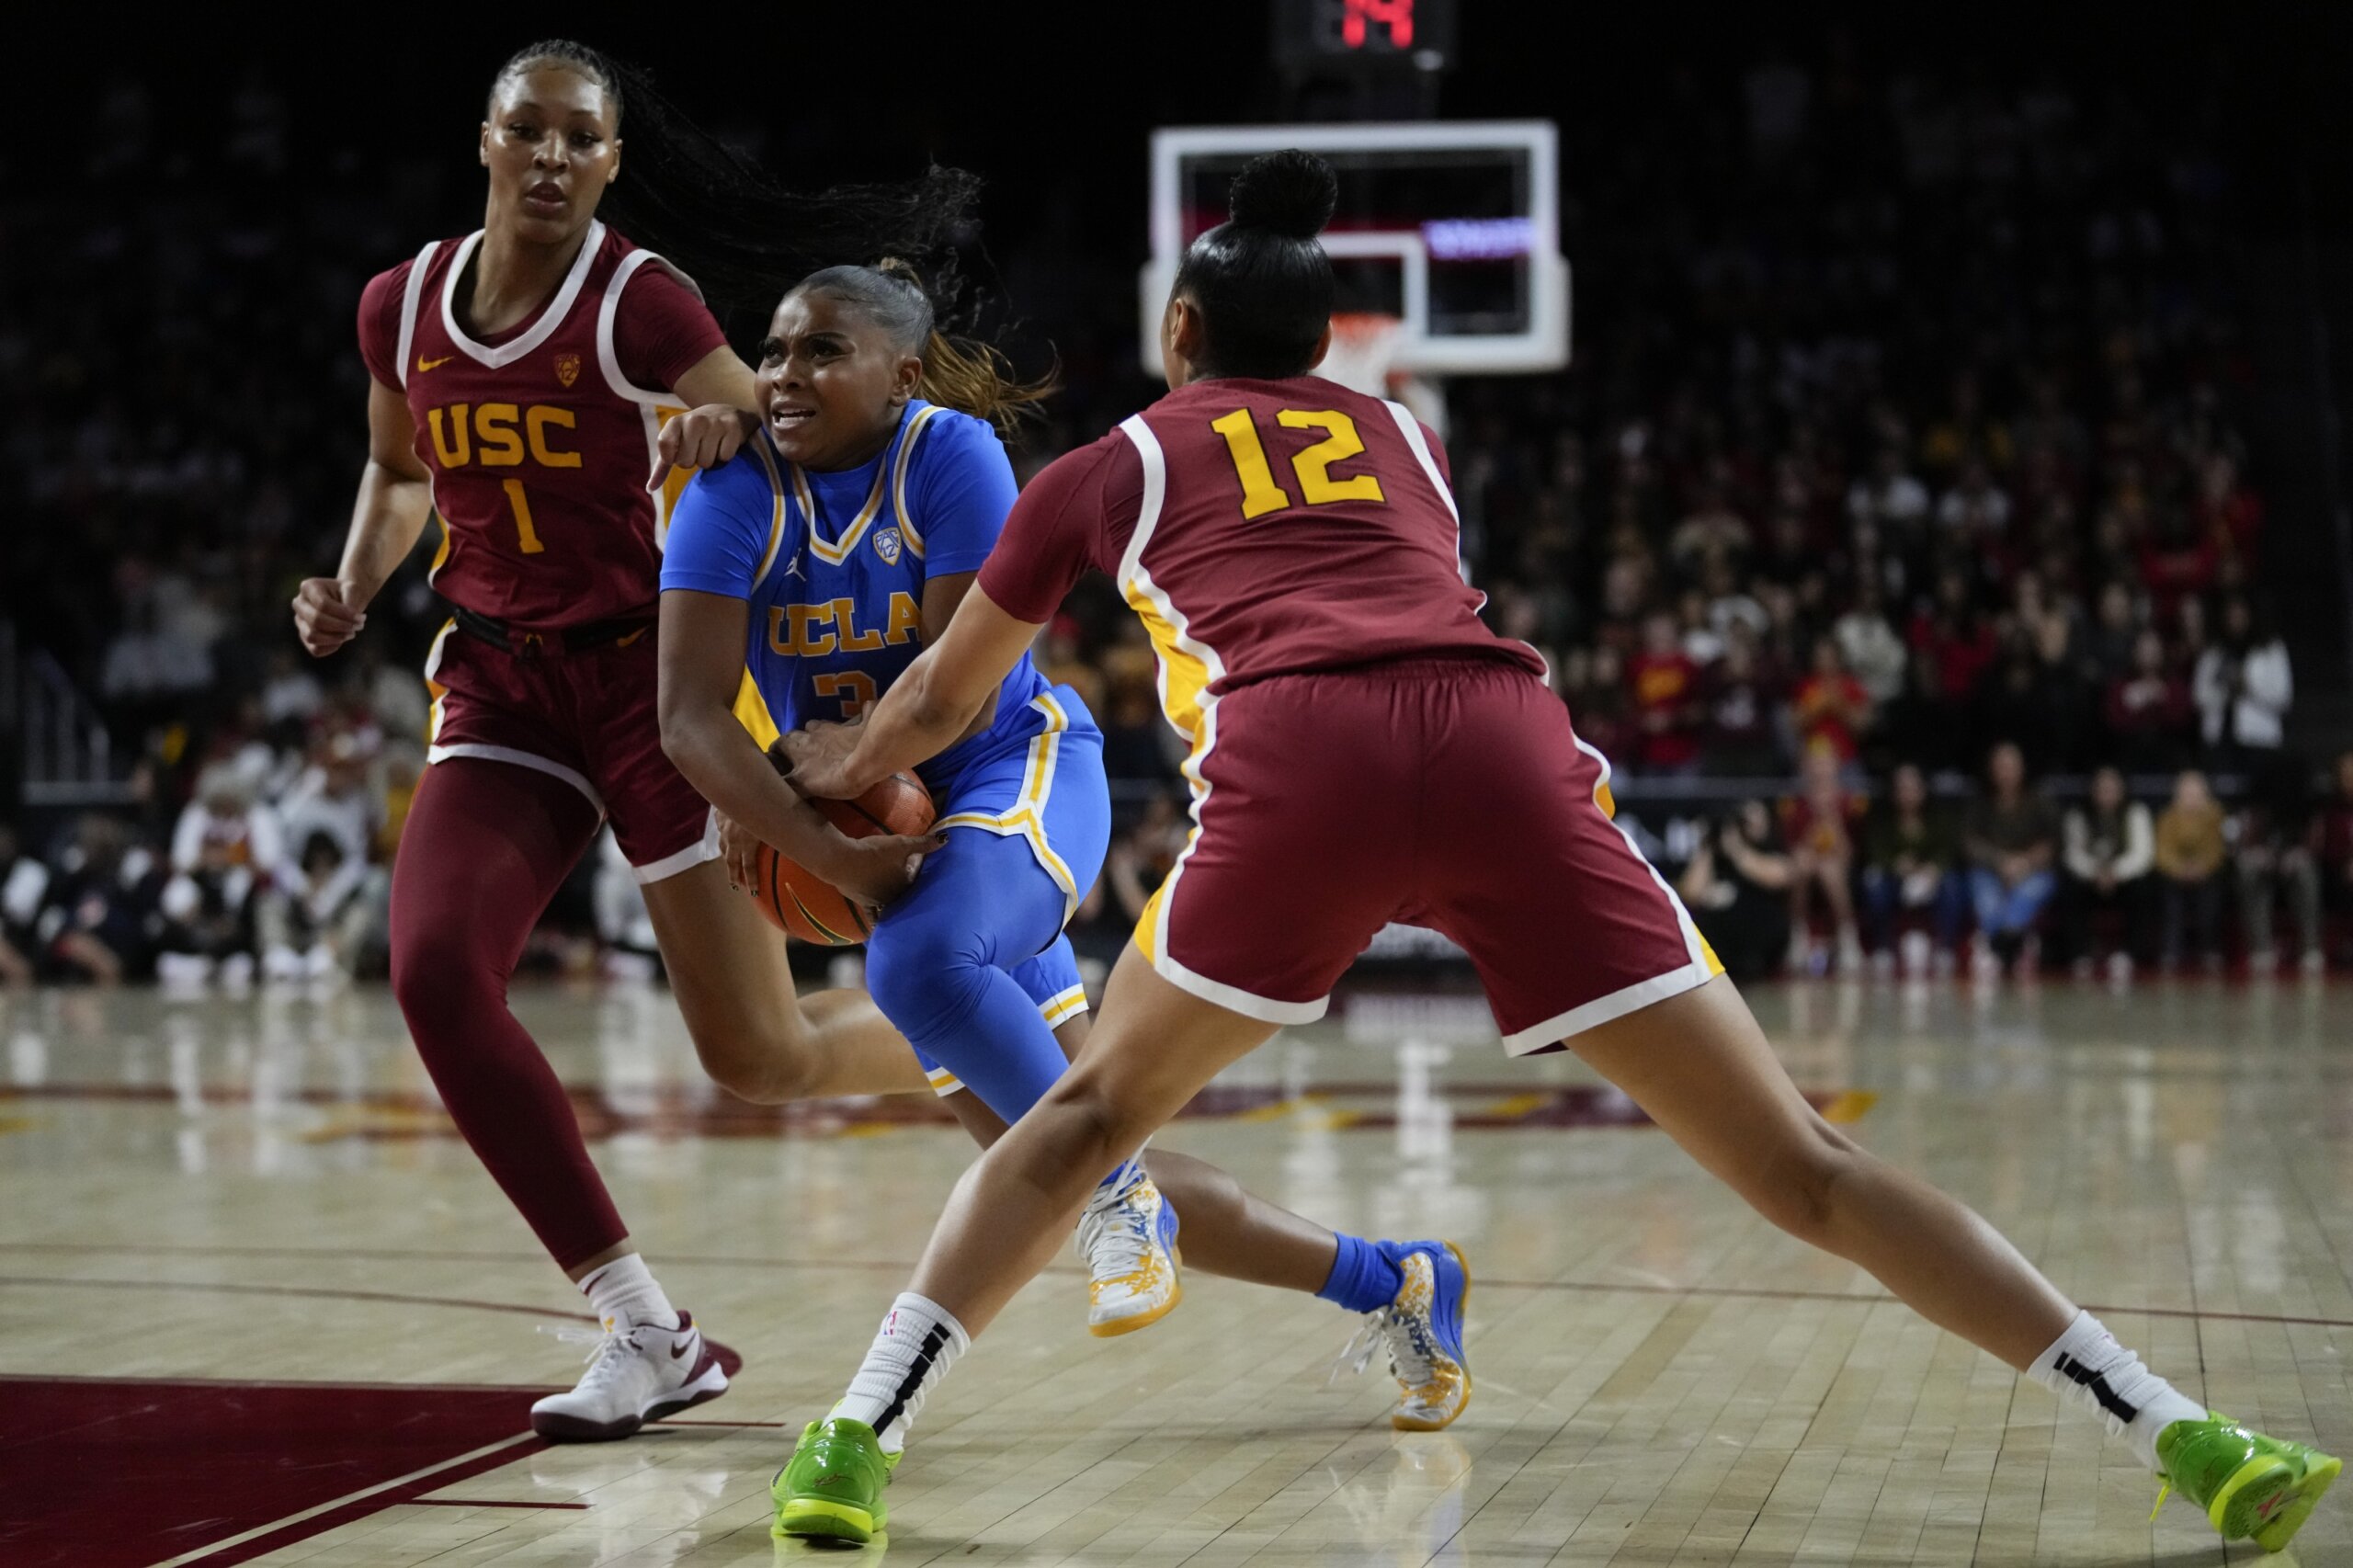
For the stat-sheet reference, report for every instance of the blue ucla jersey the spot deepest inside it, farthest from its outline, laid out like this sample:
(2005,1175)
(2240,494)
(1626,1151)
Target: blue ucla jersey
(833,566)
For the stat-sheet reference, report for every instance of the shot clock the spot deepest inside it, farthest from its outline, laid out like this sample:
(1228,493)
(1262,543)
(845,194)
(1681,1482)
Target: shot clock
(1369,34)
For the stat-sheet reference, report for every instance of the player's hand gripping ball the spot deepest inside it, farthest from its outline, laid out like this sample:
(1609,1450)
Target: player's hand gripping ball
(807,906)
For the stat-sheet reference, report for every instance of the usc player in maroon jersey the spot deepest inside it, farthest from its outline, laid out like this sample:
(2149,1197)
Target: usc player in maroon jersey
(1365,750)
(519,379)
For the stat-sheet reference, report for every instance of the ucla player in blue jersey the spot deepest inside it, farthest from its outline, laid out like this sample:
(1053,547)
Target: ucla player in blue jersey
(826,543)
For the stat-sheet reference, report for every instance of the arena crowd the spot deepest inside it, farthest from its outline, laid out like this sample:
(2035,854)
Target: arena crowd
(1895,535)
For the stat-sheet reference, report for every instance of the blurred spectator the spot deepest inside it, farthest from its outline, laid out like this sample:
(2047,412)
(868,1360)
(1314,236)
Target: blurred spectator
(24,881)
(2242,686)
(1602,711)
(333,796)
(2011,835)
(2148,710)
(1911,867)
(1891,500)
(1743,715)
(1831,709)
(2115,634)
(101,920)
(2110,851)
(2275,852)
(1869,646)
(1817,825)
(1667,710)
(1737,887)
(292,696)
(224,852)
(2191,851)
(1974,515)
(313,923)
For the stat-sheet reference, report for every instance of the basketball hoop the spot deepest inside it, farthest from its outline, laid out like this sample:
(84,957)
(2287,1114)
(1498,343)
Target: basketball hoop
(1361,358)
(1362,344)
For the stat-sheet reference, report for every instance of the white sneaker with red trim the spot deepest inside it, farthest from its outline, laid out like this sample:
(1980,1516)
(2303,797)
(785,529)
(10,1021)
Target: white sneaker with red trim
(637,1372)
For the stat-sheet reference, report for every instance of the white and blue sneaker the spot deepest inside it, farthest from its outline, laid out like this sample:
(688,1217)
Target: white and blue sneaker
(1422,1330)
(1127,1236)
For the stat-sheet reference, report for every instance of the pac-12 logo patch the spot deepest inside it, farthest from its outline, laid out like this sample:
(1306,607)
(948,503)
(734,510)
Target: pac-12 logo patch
(887,546)
(567,368)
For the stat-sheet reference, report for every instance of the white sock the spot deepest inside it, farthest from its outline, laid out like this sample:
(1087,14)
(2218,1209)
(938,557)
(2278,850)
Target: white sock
(918,1342)
(625,1290)
(2085,1366)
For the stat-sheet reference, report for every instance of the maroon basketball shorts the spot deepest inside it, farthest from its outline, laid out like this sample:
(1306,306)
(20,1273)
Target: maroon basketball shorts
(587,718)
(1447,793)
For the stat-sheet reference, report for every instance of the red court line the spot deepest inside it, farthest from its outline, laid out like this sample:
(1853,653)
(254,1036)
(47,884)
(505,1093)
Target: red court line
(316,1292)
(360,1508)
(201,1384)
(477,1503)
(1585,1287)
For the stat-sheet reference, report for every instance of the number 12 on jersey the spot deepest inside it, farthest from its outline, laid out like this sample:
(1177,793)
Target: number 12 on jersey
(1311,467)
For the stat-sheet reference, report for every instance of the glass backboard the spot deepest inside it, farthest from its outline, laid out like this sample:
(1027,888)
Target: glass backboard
(1451,226)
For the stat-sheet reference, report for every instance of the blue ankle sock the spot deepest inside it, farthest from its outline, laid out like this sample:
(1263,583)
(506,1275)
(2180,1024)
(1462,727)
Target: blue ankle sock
(1363,1277)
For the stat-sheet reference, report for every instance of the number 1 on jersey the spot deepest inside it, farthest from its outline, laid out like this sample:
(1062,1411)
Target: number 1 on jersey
(1311,467)
(521,505)
(1260,493)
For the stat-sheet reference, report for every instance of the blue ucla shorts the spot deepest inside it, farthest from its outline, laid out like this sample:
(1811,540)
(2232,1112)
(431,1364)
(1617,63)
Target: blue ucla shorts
(1037,817)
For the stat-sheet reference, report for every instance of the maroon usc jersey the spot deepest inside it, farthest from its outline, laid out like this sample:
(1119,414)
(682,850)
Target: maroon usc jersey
(1259,529)
(538,441)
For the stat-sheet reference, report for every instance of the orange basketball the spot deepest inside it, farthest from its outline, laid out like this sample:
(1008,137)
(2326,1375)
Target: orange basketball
(813,910)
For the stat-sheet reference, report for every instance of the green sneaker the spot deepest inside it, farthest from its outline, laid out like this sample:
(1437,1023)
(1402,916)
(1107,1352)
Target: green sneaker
(832,1487)
(2249,1484)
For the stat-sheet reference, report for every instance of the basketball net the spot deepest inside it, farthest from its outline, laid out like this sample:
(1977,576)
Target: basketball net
(1364,343)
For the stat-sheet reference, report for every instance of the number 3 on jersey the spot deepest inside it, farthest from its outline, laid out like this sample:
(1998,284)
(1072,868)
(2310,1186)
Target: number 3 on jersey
(1311,467)
(854,687)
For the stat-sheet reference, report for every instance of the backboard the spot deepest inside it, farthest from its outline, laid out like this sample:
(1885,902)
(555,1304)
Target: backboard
(1451,226)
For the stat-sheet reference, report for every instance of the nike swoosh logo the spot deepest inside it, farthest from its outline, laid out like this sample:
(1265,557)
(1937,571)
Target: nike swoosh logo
(423,364)
(678,1351)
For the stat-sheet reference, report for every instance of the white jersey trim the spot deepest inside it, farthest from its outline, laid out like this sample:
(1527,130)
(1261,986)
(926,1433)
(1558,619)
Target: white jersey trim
(551,316)
(686,859)
(1154,464)
(909,533)
(608,357)
(532,760)
(1232,999)
(410,294)
(1411,428)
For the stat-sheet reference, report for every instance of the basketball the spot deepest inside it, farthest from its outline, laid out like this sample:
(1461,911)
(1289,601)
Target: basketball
(803,904)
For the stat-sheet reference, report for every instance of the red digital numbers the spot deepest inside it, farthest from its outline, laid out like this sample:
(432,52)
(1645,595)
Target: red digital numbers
(1359,17)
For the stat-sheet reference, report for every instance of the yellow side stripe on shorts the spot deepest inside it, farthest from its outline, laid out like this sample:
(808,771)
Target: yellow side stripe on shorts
(1147,925)
(943,1081)
(1063,1005)
(1026,816)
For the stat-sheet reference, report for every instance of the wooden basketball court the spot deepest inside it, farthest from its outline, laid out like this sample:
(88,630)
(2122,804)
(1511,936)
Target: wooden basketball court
(262,1306)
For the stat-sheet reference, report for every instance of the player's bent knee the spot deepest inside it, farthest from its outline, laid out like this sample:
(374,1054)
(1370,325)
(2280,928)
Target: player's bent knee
(439,981)
(1800,1189)
(1094,1131)
(923,987)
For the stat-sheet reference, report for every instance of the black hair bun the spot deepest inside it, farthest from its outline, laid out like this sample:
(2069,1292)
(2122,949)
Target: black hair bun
(1290,193)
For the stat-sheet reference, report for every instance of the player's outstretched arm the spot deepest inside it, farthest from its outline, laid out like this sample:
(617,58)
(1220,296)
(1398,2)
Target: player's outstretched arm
(702,650)
(719,398)
(927,711)
(396,499)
